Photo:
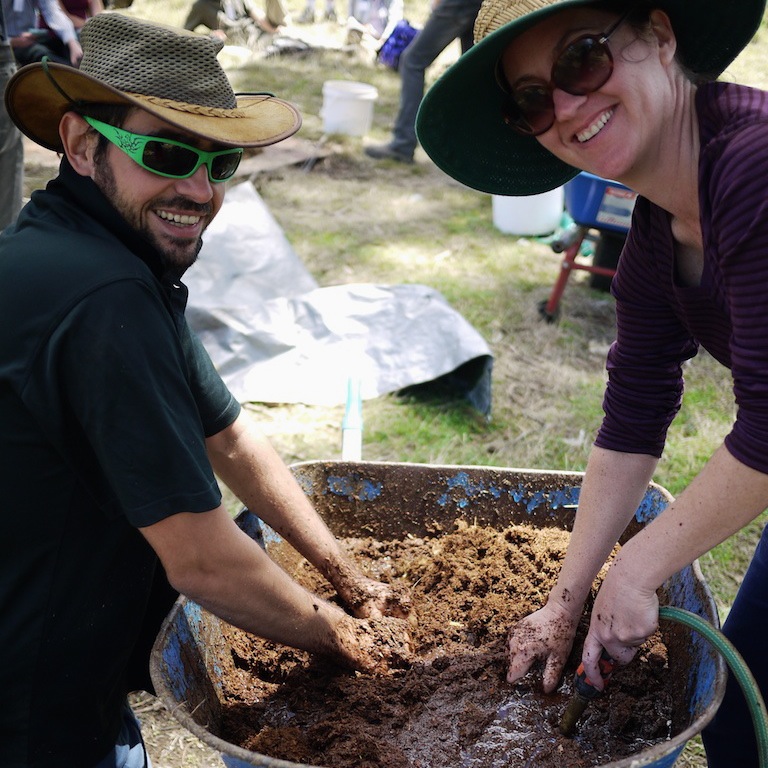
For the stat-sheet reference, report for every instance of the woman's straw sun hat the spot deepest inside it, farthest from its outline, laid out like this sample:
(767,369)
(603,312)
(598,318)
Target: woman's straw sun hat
(171,73)
(459,123)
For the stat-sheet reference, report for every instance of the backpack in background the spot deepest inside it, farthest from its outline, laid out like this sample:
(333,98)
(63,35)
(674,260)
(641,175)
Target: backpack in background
(393,47)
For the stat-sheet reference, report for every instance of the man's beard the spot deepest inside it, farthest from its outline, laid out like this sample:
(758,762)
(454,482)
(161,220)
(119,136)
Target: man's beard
(177,255)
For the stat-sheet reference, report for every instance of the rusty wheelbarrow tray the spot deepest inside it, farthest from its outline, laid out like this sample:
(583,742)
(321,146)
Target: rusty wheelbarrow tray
(394,500)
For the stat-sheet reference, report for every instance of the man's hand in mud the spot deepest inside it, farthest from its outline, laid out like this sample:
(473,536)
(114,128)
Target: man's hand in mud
(545,635)
(374,645)
(370,599)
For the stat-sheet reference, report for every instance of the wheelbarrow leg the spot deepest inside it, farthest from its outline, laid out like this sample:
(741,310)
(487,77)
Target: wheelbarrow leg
(550,309)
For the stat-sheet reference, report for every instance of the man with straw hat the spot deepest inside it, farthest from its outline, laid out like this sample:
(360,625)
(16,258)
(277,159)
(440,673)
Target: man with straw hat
(114,420)
(628,90)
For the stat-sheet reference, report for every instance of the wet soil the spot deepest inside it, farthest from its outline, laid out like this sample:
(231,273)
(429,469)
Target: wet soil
(453,706)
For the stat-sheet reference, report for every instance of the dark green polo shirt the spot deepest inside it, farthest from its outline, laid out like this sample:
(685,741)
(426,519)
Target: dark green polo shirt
(106,398)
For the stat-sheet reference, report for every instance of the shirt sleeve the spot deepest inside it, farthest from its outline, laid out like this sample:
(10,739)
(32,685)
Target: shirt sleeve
(57,20)
(738,235)
(645,380)
(217,406)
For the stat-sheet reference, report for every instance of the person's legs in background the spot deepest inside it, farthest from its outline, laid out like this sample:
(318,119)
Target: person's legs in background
(729,739)
(275,14)
(11,155)
(205,13)
(308,14)
(450,20)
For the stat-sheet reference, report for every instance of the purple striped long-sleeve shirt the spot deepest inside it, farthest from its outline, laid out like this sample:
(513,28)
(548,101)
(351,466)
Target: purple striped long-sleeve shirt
(661,324)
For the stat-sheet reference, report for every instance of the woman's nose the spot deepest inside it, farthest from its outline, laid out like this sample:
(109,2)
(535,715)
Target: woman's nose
(566,104)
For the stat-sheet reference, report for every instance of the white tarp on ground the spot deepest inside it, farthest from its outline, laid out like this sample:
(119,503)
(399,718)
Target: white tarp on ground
(277,337)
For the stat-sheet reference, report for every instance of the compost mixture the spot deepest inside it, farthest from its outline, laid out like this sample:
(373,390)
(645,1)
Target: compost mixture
(453,706)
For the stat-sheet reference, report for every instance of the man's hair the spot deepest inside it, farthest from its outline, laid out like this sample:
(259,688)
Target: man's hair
(113,114)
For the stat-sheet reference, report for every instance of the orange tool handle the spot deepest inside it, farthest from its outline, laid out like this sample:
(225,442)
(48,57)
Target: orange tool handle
(584,686)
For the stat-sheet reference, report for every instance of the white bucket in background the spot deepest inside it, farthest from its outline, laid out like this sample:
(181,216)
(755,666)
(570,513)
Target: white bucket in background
(531,215)
(347,107)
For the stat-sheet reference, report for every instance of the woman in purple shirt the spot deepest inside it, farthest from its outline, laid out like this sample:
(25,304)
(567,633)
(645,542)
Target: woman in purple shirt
(628,91)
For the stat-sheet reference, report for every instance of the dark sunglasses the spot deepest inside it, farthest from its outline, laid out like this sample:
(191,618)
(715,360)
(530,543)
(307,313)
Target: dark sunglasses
(582,67)
(165,157)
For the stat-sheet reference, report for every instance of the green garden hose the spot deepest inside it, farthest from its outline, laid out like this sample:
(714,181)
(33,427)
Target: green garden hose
(737,666)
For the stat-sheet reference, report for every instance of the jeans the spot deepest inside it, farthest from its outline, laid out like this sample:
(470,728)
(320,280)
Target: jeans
(51,47)
(11,154)
(729,739)
(129,751)
(451,19)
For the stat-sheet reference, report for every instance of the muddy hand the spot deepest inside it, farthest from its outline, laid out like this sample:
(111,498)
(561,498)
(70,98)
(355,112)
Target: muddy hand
(370,599)
(623,617)
(545,635)
(374,645)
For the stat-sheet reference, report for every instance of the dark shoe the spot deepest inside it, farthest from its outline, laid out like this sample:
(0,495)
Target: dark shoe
(307,17)
(388,152)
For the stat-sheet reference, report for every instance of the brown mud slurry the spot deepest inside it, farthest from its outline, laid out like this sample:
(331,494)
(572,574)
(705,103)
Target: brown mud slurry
(453,706)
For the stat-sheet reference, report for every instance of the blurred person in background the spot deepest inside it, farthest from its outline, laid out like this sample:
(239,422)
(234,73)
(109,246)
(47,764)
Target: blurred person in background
(308,14)
(229,20)
(11,144)
(78,12)
(448,21)
(30,43)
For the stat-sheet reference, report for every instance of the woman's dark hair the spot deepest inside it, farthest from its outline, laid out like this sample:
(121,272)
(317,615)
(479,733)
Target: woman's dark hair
(639,18)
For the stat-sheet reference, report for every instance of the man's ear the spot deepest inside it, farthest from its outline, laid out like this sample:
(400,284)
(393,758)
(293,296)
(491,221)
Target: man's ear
(79,143)
(661,27)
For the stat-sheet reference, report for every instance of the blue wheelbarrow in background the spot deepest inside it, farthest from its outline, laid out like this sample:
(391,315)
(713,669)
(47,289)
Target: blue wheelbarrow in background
(601,211)
(392,501)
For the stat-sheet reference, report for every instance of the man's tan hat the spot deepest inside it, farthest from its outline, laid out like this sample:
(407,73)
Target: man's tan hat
(171,73)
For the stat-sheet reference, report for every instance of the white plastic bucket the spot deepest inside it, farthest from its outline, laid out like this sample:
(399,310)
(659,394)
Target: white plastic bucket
(347,107)
(531,215)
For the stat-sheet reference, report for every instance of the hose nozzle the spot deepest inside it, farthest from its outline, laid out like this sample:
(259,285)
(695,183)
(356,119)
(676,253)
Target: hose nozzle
(584,691)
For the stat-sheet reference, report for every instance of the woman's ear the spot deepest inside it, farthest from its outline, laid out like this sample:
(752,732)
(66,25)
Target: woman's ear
(79,143)
(661,27)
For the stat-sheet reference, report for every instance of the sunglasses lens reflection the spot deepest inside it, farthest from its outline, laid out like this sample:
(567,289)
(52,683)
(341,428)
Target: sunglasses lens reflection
(169,158)
(224,166)
(526,114)
(583,67)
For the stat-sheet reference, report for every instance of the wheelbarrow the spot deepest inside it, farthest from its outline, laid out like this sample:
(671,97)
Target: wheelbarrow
(394,501)
(602,212)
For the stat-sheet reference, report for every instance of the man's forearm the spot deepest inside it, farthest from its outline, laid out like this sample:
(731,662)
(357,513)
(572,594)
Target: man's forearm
(251,468)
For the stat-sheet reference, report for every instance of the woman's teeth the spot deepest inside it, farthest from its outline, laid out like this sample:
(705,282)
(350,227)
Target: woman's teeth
(595,128)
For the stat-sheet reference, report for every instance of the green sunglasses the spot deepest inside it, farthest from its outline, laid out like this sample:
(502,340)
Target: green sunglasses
(169,158)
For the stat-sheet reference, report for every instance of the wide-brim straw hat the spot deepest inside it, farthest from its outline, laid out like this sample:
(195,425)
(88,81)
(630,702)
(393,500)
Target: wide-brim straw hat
(169,72)
(459,123)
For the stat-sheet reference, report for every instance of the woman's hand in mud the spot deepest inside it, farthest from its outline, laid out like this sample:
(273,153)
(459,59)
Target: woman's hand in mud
(624,616)
(373,645)
(545,635)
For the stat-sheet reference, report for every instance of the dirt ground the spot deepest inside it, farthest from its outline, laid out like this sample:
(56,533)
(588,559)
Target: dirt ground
(451,705)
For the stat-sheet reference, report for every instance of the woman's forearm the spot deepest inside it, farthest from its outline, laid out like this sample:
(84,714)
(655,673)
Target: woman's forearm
(613,487)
